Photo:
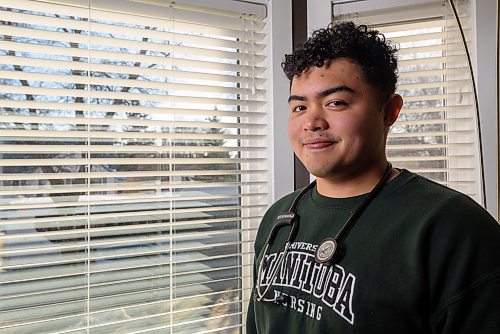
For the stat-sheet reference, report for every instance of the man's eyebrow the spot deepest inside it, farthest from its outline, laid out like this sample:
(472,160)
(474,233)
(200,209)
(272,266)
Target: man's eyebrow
(332,90)
(324,93)
(296,98)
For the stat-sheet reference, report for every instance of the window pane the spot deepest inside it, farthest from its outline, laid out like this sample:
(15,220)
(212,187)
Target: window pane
(133,172)
(436,133)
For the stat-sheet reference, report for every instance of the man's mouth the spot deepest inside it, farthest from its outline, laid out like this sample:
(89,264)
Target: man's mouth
(316,144)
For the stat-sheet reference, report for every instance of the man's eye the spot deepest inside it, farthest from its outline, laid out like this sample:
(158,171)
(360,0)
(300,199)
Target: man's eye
(336,104)
(298,108)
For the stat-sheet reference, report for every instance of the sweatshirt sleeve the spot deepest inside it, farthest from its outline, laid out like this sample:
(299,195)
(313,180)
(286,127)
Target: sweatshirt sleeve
(250,322)
(475,310)
(265,227)
(251,317)
(464,271)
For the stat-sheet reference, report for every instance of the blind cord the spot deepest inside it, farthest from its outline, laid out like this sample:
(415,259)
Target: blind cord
(476,101)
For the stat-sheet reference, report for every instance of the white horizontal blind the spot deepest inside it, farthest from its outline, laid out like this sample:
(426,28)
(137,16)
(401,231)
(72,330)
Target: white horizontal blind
(436,133)
(132,165)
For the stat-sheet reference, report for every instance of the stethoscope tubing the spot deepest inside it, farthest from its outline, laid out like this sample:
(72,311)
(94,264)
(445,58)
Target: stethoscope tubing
(291,218)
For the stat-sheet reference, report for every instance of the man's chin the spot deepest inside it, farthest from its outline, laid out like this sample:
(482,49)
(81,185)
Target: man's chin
(318,172)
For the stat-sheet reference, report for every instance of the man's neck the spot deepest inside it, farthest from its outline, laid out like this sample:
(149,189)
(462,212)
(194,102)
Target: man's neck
(349,186)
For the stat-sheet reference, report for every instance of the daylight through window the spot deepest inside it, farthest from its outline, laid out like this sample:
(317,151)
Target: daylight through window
(132,165)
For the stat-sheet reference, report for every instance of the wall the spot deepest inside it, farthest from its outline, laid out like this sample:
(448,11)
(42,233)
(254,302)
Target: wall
(280,14)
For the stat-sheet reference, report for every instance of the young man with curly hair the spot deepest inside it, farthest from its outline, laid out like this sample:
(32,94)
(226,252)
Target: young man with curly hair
(372,248)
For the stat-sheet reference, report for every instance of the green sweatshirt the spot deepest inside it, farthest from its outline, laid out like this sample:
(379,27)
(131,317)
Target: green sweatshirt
(421,259)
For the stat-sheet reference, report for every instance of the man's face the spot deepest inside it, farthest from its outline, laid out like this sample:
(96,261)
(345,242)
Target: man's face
(336,124)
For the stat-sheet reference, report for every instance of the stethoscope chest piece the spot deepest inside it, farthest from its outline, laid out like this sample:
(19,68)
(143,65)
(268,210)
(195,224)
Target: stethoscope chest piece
(327,250)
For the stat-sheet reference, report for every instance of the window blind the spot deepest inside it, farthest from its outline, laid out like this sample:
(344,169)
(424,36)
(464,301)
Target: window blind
(436,134)
(132,164)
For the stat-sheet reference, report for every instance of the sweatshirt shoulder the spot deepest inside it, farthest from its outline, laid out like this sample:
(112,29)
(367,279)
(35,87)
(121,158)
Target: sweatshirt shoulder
(284,203)
(422,190)
(269,219)
(430,206)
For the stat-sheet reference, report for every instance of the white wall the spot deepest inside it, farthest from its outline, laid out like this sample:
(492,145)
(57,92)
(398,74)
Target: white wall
(280,21)
(487,87)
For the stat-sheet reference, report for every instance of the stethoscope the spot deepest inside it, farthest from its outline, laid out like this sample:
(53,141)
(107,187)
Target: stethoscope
(328,250)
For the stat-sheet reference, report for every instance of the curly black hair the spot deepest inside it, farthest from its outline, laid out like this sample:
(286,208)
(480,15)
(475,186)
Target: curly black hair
(368,48)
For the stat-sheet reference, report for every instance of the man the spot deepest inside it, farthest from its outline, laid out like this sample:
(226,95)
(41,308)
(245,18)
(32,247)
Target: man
(377,249)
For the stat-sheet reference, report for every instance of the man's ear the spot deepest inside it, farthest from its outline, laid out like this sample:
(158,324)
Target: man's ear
(393,106)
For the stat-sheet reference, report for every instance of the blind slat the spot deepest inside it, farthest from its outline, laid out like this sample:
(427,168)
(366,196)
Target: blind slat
(58,78)
(184,72)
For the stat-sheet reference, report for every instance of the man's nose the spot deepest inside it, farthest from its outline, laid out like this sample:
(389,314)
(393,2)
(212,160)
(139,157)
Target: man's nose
(315,120)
